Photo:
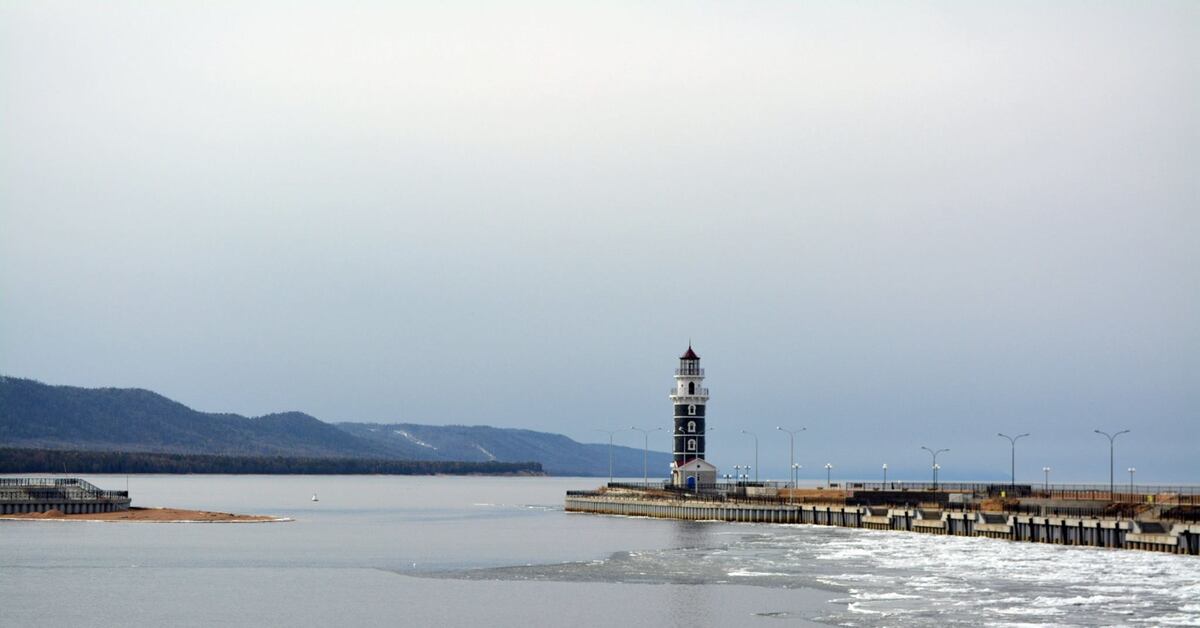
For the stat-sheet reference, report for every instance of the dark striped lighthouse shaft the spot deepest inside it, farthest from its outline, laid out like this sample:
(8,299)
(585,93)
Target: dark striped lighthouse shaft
(689,432)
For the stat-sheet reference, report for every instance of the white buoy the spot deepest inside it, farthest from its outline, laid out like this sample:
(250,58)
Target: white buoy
(315,498)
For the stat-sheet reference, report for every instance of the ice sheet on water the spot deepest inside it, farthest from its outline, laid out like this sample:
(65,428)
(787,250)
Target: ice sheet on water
(857,607)
(745,573)
(1019,610)
(1074,600)
(884,596)
(1172,619)
(930,580)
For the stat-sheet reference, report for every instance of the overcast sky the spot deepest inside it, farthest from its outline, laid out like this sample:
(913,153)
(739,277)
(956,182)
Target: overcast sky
(903,225)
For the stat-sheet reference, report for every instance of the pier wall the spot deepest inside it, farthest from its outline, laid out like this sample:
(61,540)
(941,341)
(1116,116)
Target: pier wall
(1175,538)
(68,495)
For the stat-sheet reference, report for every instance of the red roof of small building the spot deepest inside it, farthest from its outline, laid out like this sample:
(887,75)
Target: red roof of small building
(690,355)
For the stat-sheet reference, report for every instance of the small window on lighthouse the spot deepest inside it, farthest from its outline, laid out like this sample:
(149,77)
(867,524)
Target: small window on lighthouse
(691,388)
(691,444)
(692,410)
(691,426)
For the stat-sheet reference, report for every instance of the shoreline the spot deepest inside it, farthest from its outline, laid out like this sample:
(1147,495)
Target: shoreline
(148,515)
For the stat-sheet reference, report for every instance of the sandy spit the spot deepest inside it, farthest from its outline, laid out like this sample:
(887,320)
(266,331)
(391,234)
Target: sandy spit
(148,515)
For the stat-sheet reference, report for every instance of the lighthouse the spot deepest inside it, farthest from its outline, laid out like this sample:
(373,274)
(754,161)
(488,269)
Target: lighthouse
(690,398)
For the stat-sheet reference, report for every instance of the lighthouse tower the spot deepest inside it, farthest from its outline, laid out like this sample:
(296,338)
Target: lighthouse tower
(690,397)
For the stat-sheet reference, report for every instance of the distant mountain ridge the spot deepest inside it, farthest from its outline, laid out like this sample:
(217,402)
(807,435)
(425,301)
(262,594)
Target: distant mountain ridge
(34,414)
(558,454)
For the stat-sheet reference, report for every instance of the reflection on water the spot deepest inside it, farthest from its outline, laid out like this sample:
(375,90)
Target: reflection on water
(689,605)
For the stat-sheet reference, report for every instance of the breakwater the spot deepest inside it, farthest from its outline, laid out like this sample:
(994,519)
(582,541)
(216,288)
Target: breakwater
(1160,536)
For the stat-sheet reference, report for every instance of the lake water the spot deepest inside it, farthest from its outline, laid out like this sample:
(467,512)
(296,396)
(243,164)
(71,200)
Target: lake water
(422,551)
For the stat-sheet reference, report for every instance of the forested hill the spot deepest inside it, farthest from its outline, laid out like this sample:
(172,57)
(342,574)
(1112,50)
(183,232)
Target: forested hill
(558,454)
(37,415)
(33,414)
(87,462)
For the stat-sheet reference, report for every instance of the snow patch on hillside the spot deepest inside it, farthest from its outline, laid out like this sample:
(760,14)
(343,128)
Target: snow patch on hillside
(414,439)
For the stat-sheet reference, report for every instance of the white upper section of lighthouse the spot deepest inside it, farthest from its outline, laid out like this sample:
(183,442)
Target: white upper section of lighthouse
(689,380)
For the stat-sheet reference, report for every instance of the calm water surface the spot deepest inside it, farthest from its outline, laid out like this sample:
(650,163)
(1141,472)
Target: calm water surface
(421,551)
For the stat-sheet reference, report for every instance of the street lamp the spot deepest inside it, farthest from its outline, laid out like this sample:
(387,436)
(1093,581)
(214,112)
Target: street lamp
(828,472)
(885,474)
(935,464)
(1013,463)
(1131,470)
(610,447)
(645,450)
(795,472)
(1111,438)
(755,453)
(1046,486)
(792,449)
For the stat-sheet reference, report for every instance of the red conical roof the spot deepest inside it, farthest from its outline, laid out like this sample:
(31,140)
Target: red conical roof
(690,355)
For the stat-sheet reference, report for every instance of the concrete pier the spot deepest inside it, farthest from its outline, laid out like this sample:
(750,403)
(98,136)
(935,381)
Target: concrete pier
(1170,537)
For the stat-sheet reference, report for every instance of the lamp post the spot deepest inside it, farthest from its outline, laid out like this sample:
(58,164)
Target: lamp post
(1131,470)
(755,453)
(885,474)
(935,464)
(1013,462)
(1111,448)
(936,468)
(610,446)
(792,450)
(1046,485)
(792,493)
(645,451)
(828,475)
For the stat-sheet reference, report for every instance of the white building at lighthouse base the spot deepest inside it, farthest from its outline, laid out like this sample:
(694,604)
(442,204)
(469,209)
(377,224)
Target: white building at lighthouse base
(694,473)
